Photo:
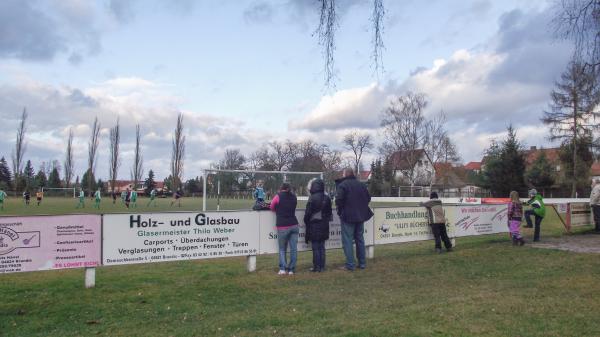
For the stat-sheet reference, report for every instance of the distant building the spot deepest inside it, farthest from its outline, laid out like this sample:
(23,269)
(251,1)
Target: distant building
(123,185)
(552,155)
(364,176)
(595,170)
(473,166)
(412,167)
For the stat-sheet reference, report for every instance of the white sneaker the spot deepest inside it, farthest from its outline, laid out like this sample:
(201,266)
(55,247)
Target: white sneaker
(290,273)
(281,272)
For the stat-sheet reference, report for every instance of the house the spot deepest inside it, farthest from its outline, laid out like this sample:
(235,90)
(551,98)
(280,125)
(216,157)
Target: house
(473,166)
(364,176)
(449,176)
(595,172)
(412,167)
(552,155)
(123,185)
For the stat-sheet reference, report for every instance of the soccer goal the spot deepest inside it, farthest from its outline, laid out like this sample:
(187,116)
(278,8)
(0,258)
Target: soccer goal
(67,192)
(240,184)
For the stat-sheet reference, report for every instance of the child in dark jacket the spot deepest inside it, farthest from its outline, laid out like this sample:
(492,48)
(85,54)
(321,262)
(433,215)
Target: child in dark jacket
(317,217)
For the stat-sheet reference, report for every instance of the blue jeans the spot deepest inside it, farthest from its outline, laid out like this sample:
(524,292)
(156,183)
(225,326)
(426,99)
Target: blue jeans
(354,232)
(285,237)
(318,248)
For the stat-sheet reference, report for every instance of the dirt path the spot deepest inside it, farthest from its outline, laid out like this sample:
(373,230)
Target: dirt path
(580,243)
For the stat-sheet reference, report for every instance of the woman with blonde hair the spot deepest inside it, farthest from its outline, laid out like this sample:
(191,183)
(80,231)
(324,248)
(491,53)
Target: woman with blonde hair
(515,214)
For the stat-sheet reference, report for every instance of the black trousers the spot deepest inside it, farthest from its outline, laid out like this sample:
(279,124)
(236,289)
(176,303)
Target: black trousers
(596,213)
(538,223)
(440,234)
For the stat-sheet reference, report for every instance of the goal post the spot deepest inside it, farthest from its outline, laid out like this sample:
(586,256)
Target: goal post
(59,191)
(272,179)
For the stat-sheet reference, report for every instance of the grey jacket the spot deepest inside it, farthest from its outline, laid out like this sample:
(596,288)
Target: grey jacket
(435,211)
(595,195)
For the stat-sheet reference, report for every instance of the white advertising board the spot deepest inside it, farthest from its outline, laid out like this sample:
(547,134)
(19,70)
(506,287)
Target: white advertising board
(478,220)
(403,224)
(268,233)
(580,214)
(49,242)
(156,237)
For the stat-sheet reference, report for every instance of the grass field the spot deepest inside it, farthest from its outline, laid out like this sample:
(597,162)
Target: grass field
(486,287)
(56,205)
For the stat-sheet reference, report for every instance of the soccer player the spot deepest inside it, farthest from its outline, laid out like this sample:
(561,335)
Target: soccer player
(177,198)
(27,197)
(97,199)
(152,197)
(127,197)
(81,199)
(2,197)
(134,199)
(123,196)
(39,195)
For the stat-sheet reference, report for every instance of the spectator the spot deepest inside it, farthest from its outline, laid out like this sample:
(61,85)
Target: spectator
(352,202)
(437,221)
(595,203)
(538,210)
(316,218)
(515,214)
(284,206)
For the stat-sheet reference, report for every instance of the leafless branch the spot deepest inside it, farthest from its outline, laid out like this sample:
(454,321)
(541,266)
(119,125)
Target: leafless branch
(20,147)
(357,143)
(92,152)
(69,160)
(178,154)
(377,39)
(137,170)
(114,160)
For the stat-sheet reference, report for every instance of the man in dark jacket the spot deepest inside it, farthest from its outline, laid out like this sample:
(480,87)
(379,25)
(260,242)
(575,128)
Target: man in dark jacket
(317,216)
(352,201)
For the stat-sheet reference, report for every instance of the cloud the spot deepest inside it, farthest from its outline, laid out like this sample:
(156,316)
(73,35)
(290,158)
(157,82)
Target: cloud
(38,31)
(481,92)
(54,110)
(259,12)
(121,10)
(358,107)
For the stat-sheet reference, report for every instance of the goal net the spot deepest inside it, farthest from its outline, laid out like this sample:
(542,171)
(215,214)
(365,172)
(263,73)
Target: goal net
(66,192)
(241,184)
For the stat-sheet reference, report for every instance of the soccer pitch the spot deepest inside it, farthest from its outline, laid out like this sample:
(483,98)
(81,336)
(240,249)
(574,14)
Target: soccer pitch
(61,205)
(486,287)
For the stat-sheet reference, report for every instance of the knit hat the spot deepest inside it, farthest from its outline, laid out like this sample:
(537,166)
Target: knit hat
(433,195)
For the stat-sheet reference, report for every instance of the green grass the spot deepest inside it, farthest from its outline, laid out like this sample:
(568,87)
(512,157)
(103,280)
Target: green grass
(486,287)
(56,205)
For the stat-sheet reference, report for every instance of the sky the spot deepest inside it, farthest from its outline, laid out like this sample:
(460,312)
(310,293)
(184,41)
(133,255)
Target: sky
(246,72)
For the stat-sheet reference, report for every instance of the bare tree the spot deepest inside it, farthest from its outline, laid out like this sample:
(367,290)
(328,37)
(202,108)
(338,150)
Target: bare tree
(92,152)
(572,115)
(138,161)
(115,160)
(404,131)
(233,160)
(20,147)
(579,21)
(261,159)
(69,161)
(357,143)
(437,144)
(282,154)
(178,153)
